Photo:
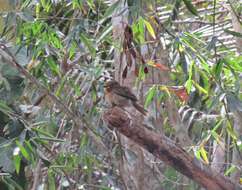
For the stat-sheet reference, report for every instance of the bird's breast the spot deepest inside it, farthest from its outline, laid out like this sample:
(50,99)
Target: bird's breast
(115,99)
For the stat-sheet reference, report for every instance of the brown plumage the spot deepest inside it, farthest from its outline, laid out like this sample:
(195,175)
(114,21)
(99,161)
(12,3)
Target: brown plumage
(121,96)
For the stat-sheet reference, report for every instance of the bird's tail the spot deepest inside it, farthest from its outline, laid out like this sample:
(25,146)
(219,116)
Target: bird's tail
(140,108)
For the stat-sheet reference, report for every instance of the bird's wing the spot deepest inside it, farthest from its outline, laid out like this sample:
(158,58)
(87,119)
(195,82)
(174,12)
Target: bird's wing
(125,92)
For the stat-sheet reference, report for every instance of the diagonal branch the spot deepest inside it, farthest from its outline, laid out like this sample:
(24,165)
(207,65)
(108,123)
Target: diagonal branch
(167,151)
(79,121)
(4,51)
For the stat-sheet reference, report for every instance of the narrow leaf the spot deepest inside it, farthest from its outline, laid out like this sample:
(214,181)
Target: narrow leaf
(204,155)
(231,131)
(190,7)
(17,161)
(111,9)
(4,108)
(53,66)
(150,29)
(50,139)
(218,68)
(88,44)
(230,170)
(201,89)
(23,150)
(236,34)
(14,184)
(51,180)
(150,95)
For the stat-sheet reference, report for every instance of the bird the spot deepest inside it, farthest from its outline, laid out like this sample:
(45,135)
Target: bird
(121,96)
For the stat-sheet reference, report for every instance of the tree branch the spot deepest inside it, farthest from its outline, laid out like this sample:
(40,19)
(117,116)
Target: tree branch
(167,151)
(80,122)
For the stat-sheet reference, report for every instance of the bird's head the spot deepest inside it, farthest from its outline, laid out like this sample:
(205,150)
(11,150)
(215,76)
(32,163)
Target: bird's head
(111,84)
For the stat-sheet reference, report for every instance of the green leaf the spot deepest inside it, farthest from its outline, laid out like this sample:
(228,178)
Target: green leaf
(150,95)
(197,154)
(12,183)
(186,43)
(53,66)
(190,7)
(5,108)
(49,139)
(218,69)
(111,9)
(94,94)
(17,161)
(204,64)
(55,41)
(23,150)
(88,44)
(29,147)
(42,132)
(46,4)
(141,73)
(200,89)
(25,4)
(37,10)
(231,131)
(51,180)
(236,34)
(194,37)
(204,80)
(138,30)
(188,83)
(91,4)
(77,4)
(230,170)
(204,155)
(61,86)
(217,125)
(105,32)
(214,134)
(84,140)
(72,50)
(234,62)
(150,29)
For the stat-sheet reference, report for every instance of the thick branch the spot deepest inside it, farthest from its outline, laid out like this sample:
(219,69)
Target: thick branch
(166,150)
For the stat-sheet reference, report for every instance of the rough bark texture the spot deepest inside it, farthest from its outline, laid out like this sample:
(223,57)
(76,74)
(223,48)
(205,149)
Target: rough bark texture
(167,151)
(128,165)
(135,165)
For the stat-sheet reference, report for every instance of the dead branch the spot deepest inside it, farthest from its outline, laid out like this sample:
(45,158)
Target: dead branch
(167,151)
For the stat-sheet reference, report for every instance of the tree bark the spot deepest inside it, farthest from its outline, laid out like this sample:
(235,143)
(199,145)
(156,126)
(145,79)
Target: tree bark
(135,166)
(167,151)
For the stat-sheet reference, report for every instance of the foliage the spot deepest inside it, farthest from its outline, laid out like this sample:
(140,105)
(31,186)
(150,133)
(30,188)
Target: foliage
(67,46)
